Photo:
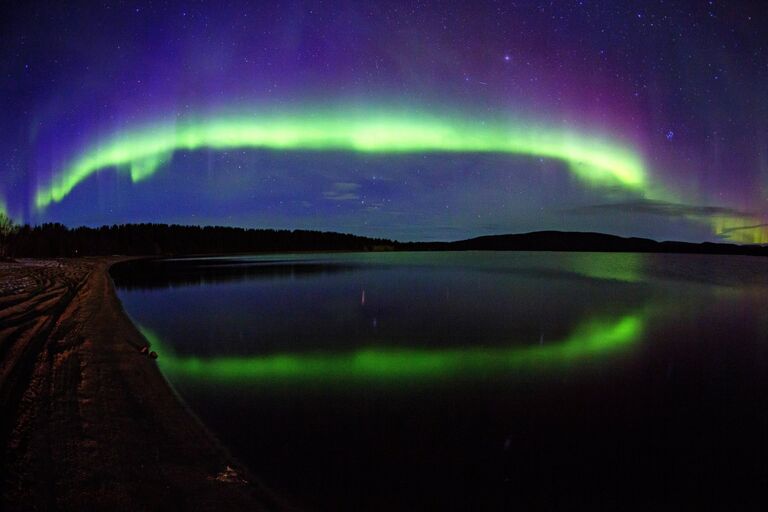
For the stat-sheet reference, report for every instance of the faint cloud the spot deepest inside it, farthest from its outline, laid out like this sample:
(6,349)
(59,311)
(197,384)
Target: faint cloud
(374,206)
(345,186)
(343,191)
(663,208)
(742,228)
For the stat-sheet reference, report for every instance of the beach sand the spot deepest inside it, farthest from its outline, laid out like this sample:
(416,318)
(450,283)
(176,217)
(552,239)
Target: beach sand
(87,422)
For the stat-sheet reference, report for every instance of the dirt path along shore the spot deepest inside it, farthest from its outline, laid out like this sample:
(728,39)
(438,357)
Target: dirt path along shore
(86,421)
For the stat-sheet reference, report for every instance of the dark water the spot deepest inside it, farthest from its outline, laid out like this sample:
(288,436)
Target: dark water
(474,381)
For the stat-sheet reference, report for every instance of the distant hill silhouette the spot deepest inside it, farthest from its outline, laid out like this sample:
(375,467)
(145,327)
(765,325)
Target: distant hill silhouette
(582,241)
(56,240)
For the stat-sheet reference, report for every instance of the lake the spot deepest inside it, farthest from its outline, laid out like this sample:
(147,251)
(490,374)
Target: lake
(473,380)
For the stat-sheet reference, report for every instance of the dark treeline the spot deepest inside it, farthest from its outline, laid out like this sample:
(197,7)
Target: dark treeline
(56,240)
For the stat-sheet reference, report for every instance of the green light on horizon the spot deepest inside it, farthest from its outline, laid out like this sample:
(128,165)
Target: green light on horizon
(142,151)
(593,338)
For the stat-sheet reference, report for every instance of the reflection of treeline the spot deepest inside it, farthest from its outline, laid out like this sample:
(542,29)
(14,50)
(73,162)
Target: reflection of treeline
(164,273)
(56,240)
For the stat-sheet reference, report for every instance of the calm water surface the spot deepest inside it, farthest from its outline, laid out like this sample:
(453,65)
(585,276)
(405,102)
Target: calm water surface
(473,381)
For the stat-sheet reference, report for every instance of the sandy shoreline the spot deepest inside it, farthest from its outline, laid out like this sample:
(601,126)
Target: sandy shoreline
(86,421)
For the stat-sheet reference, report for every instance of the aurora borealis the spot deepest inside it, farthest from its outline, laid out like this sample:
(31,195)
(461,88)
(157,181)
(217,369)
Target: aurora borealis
(414,121)
(143,152)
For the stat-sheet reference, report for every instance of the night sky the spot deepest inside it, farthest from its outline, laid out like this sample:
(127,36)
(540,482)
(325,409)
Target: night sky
(412,120)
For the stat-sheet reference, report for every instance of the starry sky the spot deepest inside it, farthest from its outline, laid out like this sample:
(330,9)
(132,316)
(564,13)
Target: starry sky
(409,120)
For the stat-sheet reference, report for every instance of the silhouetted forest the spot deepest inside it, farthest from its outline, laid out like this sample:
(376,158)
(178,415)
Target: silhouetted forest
(56,240)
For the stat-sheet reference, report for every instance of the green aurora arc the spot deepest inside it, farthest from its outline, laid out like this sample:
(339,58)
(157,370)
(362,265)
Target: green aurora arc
(381,364)
(142,151)
(594,160)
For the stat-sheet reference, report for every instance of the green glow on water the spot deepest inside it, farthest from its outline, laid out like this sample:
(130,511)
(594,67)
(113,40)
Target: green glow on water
(626,266)
(594,338)
(143,150)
